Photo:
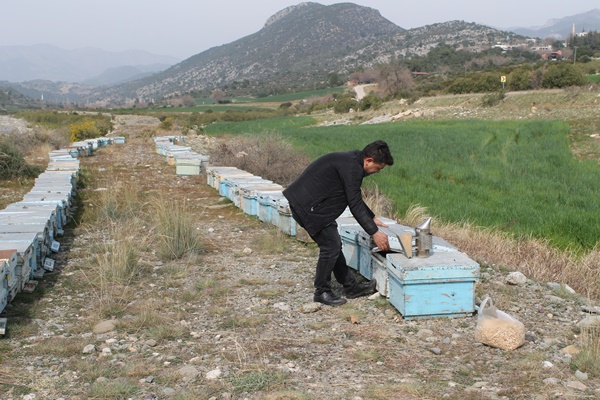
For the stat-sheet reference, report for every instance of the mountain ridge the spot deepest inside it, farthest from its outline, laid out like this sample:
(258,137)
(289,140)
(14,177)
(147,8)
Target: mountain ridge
(49,62)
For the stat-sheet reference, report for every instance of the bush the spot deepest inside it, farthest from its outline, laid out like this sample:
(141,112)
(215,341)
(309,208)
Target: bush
(166,123)
(267,155)
(562,75)
(345,105)
(84,130)
(370,101)
(492,99)
(12,163)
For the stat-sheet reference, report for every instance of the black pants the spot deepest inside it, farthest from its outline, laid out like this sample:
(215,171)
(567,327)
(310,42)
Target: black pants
(331,259)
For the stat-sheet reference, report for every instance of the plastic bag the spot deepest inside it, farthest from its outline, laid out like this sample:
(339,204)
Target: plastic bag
(497,328)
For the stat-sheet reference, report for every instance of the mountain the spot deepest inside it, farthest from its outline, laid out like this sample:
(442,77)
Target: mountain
(561,28)
(116,75)
(47,62)
(302,44)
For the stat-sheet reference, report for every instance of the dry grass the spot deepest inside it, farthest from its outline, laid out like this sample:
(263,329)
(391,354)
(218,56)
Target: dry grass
(268,155)
(174,229)
(533,257)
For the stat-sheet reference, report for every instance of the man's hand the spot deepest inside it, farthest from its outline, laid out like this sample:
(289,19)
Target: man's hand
(379,223)
(381,240)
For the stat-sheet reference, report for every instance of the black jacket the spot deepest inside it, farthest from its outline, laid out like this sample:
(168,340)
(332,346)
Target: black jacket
(329,184)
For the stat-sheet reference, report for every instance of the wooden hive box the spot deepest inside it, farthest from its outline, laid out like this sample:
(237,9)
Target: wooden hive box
(441,285)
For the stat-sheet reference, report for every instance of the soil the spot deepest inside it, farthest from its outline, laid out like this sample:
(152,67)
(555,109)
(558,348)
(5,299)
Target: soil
(237,325)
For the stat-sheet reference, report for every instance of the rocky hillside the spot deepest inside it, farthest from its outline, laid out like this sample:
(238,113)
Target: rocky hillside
(304,43)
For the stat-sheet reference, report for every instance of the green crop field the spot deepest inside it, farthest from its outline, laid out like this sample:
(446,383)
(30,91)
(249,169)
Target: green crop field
(517,176)
(594,78)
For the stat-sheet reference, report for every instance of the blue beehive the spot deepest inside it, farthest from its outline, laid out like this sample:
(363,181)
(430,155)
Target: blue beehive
(249,195)
(10,258)
(285,221)
(350,248)
(3,284)
(442,284)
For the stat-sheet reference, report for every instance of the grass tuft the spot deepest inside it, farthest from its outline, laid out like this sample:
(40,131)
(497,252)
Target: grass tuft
(175,231)
(257,380)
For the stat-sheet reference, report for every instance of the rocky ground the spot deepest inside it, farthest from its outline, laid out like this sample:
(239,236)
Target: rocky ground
(237,322)
(10,124)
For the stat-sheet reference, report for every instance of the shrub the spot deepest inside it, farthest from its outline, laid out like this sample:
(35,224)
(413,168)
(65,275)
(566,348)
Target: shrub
(84,130)
(12,163)
(562,75)
(345,105)
(166,123)
(267,155)
(370,101)
(492,99)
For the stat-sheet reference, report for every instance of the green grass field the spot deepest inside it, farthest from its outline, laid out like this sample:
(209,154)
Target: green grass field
(593,78)
(516,176)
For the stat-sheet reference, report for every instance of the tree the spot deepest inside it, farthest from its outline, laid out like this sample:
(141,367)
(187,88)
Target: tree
(394,78)
(217,95)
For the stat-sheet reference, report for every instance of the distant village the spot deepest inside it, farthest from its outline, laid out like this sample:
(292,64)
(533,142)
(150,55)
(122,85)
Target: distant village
(546,47)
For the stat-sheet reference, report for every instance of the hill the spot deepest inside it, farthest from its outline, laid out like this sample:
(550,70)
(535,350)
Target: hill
(303,45)
(561,28)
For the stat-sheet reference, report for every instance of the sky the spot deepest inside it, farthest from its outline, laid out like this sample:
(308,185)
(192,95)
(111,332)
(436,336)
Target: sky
(182,28)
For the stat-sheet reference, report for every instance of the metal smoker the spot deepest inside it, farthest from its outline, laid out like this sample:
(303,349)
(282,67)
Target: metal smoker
(424,239)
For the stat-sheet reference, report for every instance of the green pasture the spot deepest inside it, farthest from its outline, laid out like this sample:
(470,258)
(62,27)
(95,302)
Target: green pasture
(282,98)
(281,124)
(516,176)
(593,78)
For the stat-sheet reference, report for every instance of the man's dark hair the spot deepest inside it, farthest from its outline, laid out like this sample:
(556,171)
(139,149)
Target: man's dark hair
(379,152)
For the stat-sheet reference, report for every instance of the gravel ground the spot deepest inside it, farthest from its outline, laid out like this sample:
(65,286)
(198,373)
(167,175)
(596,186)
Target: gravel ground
(241,324)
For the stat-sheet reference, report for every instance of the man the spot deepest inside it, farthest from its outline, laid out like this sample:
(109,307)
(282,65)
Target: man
(320,195)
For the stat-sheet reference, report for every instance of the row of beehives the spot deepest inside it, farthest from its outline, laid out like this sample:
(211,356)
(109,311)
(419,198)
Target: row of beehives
(441,284)
(29,228)
(186,161)
(254,195)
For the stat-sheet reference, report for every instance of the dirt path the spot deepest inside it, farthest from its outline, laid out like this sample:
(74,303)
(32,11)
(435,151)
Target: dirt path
(229,323)
(360,91)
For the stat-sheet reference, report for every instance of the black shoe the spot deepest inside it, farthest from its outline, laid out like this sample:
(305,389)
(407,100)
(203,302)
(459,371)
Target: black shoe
(329,298)
(361,289)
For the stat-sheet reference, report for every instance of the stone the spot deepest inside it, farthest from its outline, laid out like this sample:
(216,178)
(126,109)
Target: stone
(104,326)
(282,306)
(553,285)
(576,385)
(106,351)
(547,365)
(188,372)
(168,391)
(571,350)
(591,322)
(89,349)
(214,374)
(582,376)
(247,250)
(151,342)
(436,350)
(590,309)
(551,381)
(310,308)
(516,278)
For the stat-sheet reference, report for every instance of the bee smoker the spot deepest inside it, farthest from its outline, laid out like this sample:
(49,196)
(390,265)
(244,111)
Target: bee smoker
(424,239)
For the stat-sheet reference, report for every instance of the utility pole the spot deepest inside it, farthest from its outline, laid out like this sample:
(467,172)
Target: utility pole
(575,54)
